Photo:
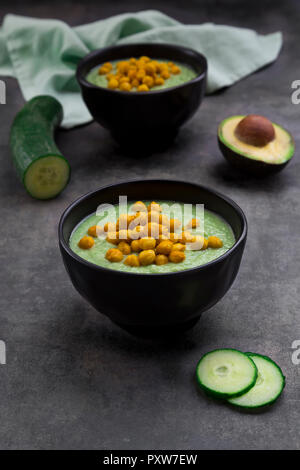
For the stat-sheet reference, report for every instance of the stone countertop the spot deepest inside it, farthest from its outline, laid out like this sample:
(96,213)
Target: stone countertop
(73,379)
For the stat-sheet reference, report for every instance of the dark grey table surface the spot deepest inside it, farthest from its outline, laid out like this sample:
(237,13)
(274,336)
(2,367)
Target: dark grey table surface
(72,378)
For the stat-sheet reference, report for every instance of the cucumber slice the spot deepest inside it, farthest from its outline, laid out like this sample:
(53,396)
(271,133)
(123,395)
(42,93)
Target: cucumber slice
(269,384)
(40,165)
(226,373)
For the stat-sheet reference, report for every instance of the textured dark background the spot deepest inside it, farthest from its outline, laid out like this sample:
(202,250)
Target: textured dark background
(74,380)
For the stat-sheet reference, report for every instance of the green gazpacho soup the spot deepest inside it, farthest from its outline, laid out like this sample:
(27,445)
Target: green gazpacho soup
(210,226)
(140,75)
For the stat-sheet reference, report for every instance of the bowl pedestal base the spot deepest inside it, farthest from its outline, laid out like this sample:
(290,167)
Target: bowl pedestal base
(166,331)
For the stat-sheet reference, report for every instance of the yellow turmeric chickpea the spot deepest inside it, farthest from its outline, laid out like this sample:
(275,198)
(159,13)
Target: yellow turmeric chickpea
(143,88)
(141,218)
(135,83)
(125,86)
(86,243)
(154,206)
(187,237)
(145,58)
(165,74)
(136,233)
(135,246)
(114,255)
(109,227)
(215,242)
(109,76)
(161,259)
(193,223)
(150,68)
(132,260)
(112,237)
(139,206)
(149,81)
(159,81)
(103,70)
(200,243)
(176,256)
(174,224)
(132,61)
(170,64)
(124,220)
(153,216)
(123,67)
(131,75)
(140,74)
(147,257)
(124,247)
(164,247)
(147,243)
(113,84)
(108,65)
(178,247)
(175,70)
(123,235)
(174,237)
(163,237)
(95,231)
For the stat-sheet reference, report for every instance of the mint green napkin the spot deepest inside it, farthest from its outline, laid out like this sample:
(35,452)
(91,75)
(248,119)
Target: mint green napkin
(43,54)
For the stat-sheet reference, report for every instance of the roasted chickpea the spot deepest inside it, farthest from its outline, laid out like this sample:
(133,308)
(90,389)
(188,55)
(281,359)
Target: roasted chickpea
(159,81)
(161,259)
(124,79)
(176,256)
(103,70)
(147,257)
(112,237)
(139,206)
(165,74)
(149,81)
(178,247)
(200,243)
(132,260)
(109,227)
(135,246)
(86,243)
(123,235)
(174,237)
(154,206)
(147,243)
(150,69)
(125,86)
(135,83)
(164,247)
(113,84)
(136,233)
(193,223)
(124,247)
(108,66)
(143,87)
(174,224)
(215,242)
(187,237)
(141,218)
(114,255)
(175,69)
(95,231)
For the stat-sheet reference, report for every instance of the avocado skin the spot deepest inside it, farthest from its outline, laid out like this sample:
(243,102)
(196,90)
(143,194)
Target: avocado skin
(247,165)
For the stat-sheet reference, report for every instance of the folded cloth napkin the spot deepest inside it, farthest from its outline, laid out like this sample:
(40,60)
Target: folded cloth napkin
(43,54)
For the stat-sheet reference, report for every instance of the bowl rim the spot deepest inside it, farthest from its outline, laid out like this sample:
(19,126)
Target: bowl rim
(182,272)
(82,81)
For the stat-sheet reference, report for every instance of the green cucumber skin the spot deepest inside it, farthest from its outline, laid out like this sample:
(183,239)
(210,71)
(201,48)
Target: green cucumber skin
(32,132)
(269,403)
(220,395)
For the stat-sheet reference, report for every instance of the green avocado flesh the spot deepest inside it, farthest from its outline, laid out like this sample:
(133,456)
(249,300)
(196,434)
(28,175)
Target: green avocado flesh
(186,74)
(276,152)
(213,224)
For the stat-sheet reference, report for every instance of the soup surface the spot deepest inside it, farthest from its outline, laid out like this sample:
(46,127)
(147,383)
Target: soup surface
(210,224)
(186,74)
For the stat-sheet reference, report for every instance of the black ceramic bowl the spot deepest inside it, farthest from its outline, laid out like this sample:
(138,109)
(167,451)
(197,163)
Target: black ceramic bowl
(143,118)
(147,303)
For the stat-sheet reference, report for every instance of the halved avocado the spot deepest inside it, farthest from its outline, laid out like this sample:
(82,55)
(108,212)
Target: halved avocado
(254,144)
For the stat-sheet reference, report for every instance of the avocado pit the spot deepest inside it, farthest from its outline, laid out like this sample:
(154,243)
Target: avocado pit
(255,130)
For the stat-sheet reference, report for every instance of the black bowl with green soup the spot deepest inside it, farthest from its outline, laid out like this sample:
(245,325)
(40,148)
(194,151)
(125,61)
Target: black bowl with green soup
(147,115)
(147,282)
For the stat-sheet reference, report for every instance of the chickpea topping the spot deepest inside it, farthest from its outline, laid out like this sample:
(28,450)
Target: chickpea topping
(124,247)
(109,227)
(193,223)
(187,237)
(112,237)
(132,260)
(113,84)
(135,246)
(86,242)
(214,242)
(165,74)
(178,247)
(174,224)
(176,256)
(147,243)
(174,237)
(153,206)
(200,243)
(161,259)
(175,69)
(139,206)
(114,255)
(143,88)
(95,231)
(159,81)
(141,218)
(164,247)
(147,257)
(123,235)
(125,86)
